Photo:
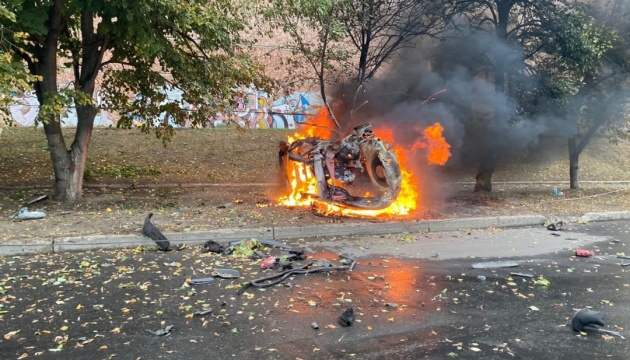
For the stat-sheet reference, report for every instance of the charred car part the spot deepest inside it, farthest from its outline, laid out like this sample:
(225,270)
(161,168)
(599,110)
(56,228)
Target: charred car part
(336,165)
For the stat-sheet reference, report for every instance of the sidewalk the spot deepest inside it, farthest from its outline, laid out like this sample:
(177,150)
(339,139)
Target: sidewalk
(59,244)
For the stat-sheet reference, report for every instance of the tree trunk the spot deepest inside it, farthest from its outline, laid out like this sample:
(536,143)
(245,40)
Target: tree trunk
(62,160)
(69,165)
(574,170)
(483,180)
(485,171)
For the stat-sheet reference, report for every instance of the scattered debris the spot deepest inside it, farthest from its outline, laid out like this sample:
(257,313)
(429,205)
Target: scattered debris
(202,281)
(522,275)
(307,269)
(587,319)
(37,199)
(213,246)
(555,227)
(584,253)
(162,332)
(226,273)
(24,214)
(156,235)
(268,262)
(244,248)
(202,313)
(264,242)
(494,265)
(314,326)
(557,192)
(347,318)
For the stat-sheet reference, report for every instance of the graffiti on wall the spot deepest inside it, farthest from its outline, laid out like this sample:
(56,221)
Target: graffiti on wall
(255,110)
(26,107)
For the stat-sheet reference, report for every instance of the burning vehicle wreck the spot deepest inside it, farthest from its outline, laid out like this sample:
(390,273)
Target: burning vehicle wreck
(337,171)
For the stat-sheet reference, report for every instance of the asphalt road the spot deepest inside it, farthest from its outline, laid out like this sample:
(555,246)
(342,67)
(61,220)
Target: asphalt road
(415,296)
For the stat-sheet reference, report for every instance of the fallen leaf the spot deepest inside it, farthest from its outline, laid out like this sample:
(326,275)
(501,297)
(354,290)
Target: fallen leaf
(8,335)
(533,308)
(64,328)
(23,356)
(104,347)
(542,282)
(475,349)
(115,330)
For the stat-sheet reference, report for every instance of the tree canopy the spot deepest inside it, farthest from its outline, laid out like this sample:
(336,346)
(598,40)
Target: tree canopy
(145,48)
(13,77)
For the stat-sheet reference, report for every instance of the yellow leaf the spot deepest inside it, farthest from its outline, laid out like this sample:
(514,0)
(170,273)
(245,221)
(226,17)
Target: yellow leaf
(189,316)
(369,328)
(8,335)
(108,210)
(79,307)
(391,319)
(64,328)
(104,347)
(115,330)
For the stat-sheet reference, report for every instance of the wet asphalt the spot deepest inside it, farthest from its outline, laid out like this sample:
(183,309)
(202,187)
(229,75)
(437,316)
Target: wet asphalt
(415,296)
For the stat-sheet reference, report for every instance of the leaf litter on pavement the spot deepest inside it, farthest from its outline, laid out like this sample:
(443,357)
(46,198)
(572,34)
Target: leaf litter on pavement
(106,300)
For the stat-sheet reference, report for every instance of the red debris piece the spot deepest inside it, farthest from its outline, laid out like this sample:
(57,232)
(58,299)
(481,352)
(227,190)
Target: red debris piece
(268,262)
(584,253)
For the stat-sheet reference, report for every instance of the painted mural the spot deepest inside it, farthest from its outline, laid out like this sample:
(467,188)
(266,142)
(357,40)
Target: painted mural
(256,110)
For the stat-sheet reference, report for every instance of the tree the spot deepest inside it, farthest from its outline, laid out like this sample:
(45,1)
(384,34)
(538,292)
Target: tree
(521,25)
(13,77)
(588,58)
(142,47)
(378,29)
(315,37)
(326,34)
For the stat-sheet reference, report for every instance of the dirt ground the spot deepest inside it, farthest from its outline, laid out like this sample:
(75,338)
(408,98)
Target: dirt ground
(224,178)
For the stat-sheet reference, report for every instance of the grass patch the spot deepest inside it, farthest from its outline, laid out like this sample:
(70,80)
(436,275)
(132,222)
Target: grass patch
(120,172)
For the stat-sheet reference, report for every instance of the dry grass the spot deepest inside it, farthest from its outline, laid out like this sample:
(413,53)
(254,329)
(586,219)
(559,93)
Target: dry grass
(229,156)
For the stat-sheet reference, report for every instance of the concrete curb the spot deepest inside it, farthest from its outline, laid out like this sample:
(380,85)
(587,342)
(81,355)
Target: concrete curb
(48,245)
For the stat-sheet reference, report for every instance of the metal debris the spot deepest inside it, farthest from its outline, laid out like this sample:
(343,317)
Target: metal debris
(494,265)
(162,332)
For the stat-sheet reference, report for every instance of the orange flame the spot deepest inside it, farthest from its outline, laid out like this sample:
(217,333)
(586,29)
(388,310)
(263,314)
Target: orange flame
(304,184)
(438,149)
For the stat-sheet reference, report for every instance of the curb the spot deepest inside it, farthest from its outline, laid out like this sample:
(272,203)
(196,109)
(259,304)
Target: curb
(53,245)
